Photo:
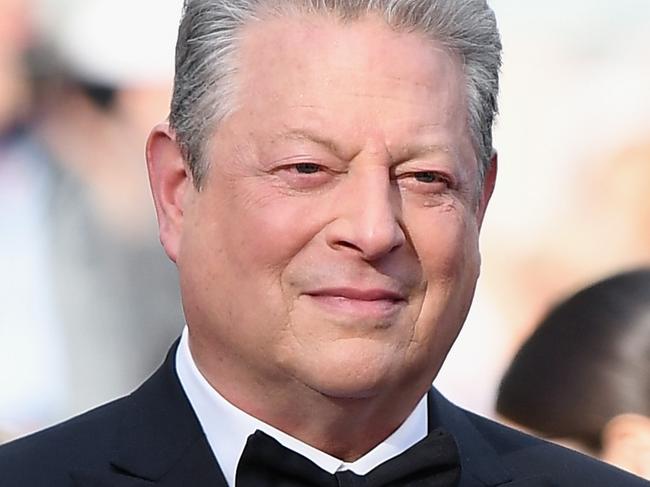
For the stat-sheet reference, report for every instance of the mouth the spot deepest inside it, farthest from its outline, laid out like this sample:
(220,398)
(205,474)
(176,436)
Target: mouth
(377,303)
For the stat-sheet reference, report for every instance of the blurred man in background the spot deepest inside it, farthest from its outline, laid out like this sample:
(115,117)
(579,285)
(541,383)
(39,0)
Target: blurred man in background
(16,36)
(87,294)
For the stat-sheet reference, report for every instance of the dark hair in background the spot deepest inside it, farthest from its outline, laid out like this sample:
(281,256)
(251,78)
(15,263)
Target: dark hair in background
(587,362)
(49,76)
(101,95)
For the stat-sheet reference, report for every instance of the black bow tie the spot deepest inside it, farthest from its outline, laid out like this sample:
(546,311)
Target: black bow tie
(432,462)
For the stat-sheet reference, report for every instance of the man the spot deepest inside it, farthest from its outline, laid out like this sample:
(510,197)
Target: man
(320,186)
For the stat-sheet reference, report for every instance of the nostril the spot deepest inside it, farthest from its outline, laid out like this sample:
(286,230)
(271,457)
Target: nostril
(348,245)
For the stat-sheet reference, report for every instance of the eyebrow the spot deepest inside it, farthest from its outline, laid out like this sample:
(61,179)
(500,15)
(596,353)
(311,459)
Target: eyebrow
(304,135)
(409,152)
(404,153)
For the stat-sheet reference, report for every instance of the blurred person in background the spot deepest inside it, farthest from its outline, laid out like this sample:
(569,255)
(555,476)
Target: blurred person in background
(87,294)
(15,39)
(583,377)
(573,199)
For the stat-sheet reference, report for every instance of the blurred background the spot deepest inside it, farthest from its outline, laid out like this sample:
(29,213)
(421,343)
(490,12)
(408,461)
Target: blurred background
(88,301)
(572,200)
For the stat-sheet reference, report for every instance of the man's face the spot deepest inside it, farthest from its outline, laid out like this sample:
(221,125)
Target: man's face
(333,245)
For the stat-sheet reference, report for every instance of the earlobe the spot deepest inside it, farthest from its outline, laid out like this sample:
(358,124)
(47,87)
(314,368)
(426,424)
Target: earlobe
(626,443)
(169,180)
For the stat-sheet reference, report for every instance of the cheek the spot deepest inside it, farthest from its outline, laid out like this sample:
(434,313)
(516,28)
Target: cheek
(261,233)
(270,232)
(449,257)
(446,244)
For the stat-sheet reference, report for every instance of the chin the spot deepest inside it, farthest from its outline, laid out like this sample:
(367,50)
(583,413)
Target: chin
(353,370)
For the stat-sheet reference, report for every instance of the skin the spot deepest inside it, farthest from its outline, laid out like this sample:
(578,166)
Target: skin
(14,39)
(329,260)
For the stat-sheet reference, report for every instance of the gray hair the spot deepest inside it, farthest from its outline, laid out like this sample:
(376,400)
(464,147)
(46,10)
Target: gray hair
(207,42)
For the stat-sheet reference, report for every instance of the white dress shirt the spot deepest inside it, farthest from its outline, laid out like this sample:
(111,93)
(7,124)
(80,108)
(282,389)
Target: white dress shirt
(227,427)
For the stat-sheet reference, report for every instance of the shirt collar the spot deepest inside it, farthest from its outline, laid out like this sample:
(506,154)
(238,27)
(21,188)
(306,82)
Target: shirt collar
(227,427)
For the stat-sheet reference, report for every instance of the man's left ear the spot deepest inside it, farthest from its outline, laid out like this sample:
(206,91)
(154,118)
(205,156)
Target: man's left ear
(626,443)
(487,188)
(170,182)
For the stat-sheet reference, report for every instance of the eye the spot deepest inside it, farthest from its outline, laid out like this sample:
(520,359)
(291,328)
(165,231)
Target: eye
(428,177)
(425,178)
(424,182)
(307,168)
(304,175)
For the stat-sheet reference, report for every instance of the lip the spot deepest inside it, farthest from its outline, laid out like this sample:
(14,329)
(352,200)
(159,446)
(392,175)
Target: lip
(374,302)
(373,294)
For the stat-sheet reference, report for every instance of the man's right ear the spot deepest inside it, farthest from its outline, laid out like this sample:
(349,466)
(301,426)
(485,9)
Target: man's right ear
(170,185)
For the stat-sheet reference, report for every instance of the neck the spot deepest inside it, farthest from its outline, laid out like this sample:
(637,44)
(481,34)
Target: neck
(346,428)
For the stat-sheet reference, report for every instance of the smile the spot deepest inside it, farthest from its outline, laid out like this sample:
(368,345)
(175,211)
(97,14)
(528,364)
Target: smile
(377,303)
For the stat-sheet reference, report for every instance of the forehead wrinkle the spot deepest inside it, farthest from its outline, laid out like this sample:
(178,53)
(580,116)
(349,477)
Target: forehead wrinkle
(370,145)
(304,135)
(403,151)
(423,141)
(377,96)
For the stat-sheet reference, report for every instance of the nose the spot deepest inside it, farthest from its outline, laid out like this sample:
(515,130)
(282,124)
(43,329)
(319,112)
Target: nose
(368,210)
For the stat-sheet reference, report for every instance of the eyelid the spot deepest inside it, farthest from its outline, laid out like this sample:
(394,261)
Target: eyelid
(325,167)
(292,179)
(421,171)
(442,175)
(296,159)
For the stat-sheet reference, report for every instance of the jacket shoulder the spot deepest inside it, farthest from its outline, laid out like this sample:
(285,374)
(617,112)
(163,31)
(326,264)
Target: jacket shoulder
(46,457)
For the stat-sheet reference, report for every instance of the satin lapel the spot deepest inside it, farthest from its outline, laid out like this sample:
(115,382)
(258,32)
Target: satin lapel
(93,479)
(480,465)
(191,470)
(159,441)
(531,482)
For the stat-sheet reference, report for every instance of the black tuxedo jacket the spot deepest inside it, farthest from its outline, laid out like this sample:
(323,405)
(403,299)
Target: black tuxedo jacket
(153,439)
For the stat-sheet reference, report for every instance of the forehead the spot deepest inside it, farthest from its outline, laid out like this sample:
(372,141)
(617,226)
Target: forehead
(304,56)
(328,34)
(364,42)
